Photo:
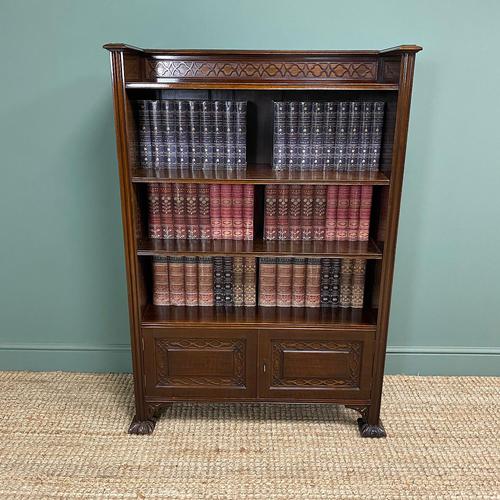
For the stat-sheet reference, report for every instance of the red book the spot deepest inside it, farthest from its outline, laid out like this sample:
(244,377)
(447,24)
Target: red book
(294,212)
(248,201)
(313,290)
(179,195)
(267,282)
(343,213)
(307,211)
(353,214)
(365,209)
(205,281)
(284,282)
(215,215)
(204,211)
(161,294)
(226,211)
(319,212)
(154,212)
(167,212)
(271,212)
(283,223)
(176,281)
(237,211)
(193,223)
(332,195)
(191,280)
(298,282)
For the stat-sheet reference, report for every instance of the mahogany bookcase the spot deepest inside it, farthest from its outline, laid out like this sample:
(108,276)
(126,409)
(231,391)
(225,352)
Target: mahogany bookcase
(239,354)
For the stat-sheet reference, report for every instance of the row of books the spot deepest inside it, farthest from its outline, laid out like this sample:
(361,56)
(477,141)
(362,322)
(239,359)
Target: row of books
(204,281)
(317,212)
(342,136)
(300,282)
(200,211)
(191,133)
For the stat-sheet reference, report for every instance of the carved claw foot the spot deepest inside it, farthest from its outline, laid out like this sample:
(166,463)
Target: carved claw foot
(371,431)
(142,426)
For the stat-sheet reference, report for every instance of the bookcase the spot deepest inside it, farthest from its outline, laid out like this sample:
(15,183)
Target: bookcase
(258,352)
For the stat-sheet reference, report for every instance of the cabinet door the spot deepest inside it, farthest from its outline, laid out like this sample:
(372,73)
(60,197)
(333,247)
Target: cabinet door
(315,364)
(200,363)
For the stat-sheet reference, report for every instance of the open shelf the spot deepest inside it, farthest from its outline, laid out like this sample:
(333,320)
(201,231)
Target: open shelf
(258,174)
(259,248)
(269,317)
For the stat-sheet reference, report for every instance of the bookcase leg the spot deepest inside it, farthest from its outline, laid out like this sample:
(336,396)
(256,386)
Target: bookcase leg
(370,425)
(145,424)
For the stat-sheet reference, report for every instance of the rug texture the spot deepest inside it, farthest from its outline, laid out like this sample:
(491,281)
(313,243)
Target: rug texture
(63,435)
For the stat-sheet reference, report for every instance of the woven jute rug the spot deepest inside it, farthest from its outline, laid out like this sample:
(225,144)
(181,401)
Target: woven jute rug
(63,435)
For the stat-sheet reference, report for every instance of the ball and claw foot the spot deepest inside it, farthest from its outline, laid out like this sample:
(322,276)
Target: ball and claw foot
(142,427)
(371,431)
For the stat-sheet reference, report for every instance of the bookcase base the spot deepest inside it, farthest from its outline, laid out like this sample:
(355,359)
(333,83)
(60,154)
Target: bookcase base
(142,427)
(371,431)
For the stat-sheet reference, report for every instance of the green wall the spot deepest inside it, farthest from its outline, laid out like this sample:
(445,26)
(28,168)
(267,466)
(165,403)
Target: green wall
(62,285)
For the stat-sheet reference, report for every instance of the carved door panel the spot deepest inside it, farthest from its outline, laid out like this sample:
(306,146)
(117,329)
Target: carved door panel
(315,364)
(200,363)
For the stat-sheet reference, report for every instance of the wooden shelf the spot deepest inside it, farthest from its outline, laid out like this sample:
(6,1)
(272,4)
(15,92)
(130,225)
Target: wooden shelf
(259,248)
(258,174)
(269,317)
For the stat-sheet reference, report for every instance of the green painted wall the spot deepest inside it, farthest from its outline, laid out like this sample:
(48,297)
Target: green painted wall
(62,285)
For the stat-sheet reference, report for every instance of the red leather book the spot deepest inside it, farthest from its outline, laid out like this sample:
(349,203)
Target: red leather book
(238,286)
(179,195)
(226,211)
(298,282)
(283,224)
(267,282)
(167,211)
(205,281)
(294,212)
(343,213)
(284,282)
(332,196)
(215,212)
(193,222)
(248,206)
(161,294)
(365,209)
(204,211)
(346,270)
(154,213)
(271,212)
(176,281)
(237,211)
(307,211)
(353,214)
(358,283)
(319,212)
(191,280)
(249,281)
(313,272)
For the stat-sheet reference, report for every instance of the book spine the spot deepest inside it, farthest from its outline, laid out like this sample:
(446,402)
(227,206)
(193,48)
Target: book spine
(358,283)
(248,207)
(218,267)
(304,135)
(313,296)
(215,212)
(365,135)
(365,209)
(176,281)
(226,211)
(193,222)
(332,196)
(205,281)
(145,153)
(319,212)
(294,205)
(207,134)
(161,293)
(219,135)
(191,280)
(241,133)
(346,282)
(267,282)
(329,135)
(204,211)
(325,291)
(340,151)
(249,281)
(279,136)
(271,212)
(237,211)
(306,209)
(284,282)
(168,113)
(334,282)
(343,213)
(182,134)
(298,282)
(317,123)
(353,136)
(154,119)
(194,135)
(283,223)
(376,135)
(167,212)
(154,212)
(228,281)
(292,136)
(353,213)
(238,286)
(229,134)
(179,196)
